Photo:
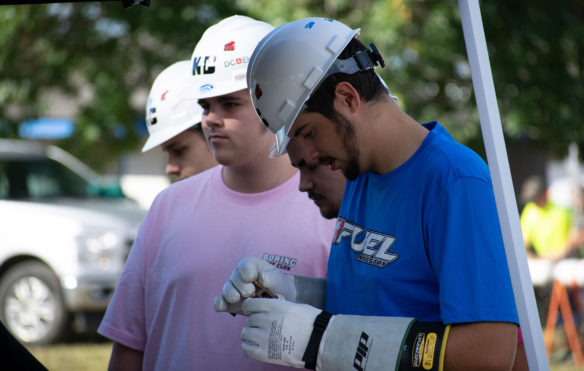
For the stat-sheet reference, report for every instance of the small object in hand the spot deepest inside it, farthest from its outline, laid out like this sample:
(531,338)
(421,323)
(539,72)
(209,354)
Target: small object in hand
(261,292)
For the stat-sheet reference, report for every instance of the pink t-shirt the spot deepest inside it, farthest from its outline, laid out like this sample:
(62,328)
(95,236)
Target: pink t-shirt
(195,234)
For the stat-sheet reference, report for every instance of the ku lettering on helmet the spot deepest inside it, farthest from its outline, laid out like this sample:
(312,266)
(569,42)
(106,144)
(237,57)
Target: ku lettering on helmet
(208,65)
(309,25)
(163,96)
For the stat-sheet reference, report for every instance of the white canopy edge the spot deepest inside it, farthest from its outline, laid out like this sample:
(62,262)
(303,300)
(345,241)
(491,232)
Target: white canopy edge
(492,131)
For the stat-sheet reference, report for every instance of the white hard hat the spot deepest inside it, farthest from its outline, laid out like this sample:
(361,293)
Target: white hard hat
(219,61)
(291,62)
(172,107)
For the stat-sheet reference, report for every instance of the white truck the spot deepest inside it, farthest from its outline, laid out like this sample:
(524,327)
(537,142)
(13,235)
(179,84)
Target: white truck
(64,239)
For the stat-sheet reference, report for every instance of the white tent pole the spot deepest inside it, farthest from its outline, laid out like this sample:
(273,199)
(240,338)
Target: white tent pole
(490,120)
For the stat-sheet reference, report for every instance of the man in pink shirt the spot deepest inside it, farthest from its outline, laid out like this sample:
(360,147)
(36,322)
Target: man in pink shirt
(161,316)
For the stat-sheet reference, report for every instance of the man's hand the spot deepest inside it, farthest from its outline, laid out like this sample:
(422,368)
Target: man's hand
(240,286)
(277,331)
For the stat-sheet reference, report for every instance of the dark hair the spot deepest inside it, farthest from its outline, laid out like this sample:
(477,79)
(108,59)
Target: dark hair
(367,84)
(532,188)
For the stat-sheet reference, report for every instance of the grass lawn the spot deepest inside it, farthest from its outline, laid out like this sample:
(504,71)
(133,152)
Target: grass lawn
(74,356)
(95,357)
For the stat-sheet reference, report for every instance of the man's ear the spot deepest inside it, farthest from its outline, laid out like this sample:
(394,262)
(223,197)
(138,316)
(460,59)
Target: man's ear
(347,99)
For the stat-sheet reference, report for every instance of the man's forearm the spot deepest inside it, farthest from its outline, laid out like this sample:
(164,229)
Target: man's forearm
(311,291)
(125,359)
(481,346)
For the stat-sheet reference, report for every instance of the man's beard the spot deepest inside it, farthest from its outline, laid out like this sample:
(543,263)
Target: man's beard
(347,133)
(328,212)
(327,209)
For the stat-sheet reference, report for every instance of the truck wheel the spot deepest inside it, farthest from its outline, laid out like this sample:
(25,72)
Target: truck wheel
(31,304)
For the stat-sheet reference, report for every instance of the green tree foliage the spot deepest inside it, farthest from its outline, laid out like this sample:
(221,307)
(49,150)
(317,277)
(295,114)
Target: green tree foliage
(99,54)
(432,68)
(536,51)
(109,56)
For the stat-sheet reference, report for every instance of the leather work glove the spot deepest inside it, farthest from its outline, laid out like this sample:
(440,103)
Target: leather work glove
(302,336)
(277,331)
(240,286)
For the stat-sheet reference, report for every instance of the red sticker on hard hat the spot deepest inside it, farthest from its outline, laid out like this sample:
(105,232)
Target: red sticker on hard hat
(258,91)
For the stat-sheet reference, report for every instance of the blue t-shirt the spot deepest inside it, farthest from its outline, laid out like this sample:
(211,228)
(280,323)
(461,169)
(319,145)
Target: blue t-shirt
(422,241)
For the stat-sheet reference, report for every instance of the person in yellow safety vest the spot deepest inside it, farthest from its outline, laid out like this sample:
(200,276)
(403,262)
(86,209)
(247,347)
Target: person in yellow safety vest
(546,226)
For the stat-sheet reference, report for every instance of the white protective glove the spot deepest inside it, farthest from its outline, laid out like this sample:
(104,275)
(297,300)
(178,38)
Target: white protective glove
(240,286)
(280,332)
(277,331)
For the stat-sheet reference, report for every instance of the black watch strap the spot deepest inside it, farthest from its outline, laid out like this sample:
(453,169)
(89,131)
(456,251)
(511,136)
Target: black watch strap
(320,324)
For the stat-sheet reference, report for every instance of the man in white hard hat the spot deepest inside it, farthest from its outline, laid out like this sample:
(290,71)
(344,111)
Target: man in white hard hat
(417,276)
(161,315)
(173,120)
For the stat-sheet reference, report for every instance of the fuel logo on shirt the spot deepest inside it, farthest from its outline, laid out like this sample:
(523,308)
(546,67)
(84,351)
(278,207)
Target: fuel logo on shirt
(373,247)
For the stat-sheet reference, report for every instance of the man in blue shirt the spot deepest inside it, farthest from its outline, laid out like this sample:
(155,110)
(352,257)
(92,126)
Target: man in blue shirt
(417,276)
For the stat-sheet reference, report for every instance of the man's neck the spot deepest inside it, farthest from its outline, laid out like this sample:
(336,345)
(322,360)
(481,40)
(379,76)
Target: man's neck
(391,135)
(258,176)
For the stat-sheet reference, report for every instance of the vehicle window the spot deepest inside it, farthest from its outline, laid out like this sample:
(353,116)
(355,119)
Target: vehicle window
(4,189)
(39,179)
